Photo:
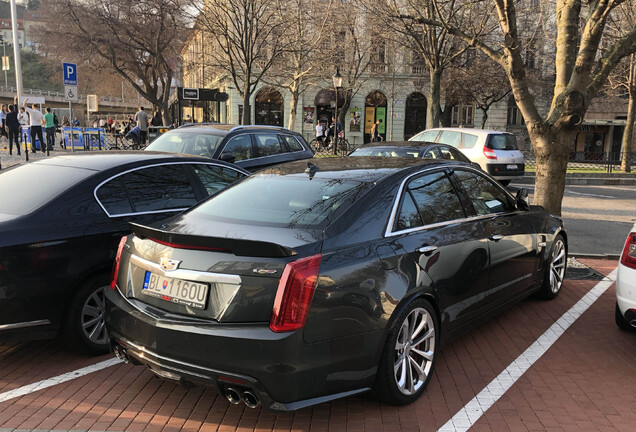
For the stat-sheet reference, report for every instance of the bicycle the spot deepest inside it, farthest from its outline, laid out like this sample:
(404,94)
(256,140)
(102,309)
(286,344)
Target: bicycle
(325,148)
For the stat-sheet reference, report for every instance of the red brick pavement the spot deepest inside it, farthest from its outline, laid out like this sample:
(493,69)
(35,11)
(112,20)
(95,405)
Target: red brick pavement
(586,381)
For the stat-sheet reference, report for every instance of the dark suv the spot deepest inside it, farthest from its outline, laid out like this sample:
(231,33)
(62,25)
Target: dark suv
(251,147)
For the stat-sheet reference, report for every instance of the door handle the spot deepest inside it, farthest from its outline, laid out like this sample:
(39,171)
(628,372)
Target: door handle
(495,237)
(427,249)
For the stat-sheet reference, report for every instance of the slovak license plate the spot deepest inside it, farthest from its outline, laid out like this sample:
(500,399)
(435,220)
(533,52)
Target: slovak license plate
(187,293)
(512,167)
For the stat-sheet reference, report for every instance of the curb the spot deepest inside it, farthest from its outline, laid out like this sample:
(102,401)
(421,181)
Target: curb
(612,257)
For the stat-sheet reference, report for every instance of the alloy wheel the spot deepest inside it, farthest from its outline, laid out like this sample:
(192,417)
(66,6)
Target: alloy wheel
(92,317)
(414,351)
(557,266)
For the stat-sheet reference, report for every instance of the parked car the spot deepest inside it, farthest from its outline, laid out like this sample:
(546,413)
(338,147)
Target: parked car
(626,285)
(496,152)
(410,149)
(250,147)
(313,281)
(61,219)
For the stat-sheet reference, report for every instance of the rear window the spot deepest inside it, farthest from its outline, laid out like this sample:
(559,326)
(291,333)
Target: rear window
(502,142)
(281,201)
(27,187)
(386,152)
(181,141)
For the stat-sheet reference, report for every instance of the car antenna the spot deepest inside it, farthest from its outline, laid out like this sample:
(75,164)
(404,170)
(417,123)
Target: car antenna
(311,170)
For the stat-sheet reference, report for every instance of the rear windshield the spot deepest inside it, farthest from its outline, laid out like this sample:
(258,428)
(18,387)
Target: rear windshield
(281,201)
(27,187)
(502,142)
(386,152)
(182,141)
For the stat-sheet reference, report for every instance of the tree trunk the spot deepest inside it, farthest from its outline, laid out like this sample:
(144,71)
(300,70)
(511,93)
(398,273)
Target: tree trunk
(626,144)
(484,117)
(434,108)
(293,107)
(551,148)
(246,119)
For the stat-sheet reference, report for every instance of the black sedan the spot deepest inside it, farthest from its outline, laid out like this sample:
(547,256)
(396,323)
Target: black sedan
(309,282)
(61,219)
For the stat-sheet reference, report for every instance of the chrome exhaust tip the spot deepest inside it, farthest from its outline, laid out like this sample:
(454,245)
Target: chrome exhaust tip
(121,354)
(633,323)
(249,399)
(233,396)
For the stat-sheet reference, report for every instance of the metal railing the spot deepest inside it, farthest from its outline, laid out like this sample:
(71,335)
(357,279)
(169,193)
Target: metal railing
(51,93)
(608,162)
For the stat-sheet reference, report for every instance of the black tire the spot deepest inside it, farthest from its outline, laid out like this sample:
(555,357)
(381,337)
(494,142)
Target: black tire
(621,322)
(554,270)
(399,349)
(84,329)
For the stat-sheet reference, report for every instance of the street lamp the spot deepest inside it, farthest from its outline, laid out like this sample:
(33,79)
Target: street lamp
(337,83)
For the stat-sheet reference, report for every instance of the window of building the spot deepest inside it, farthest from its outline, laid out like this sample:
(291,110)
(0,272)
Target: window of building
(463,115)
(514,115)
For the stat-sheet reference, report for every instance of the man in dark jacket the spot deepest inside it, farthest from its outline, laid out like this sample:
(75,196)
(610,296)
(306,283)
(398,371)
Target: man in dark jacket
(13,125)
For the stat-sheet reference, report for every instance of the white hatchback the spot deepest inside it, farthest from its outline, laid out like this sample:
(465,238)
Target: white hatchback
(495,151)
(626,285)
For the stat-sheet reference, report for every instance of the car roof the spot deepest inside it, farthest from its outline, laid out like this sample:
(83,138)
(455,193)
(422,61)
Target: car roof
(102,161)
(388,144)
(364,169)
(474,131)
(224,129)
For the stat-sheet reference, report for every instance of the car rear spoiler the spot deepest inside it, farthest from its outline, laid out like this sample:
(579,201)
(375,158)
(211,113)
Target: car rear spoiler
(239,247)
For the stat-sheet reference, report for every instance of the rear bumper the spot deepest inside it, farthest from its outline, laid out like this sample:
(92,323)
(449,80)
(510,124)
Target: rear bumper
(626,291)
(284,372)
(505,171)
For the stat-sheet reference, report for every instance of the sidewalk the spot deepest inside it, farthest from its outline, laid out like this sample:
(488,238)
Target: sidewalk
(7,160)
(593,179)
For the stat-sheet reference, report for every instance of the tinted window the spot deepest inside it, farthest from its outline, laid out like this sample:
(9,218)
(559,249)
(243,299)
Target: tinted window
(182,141)
(292,143)
(432,153)
(409,217)
(280,201)
(451,138)
(502,142)
(450,153)
(216,178)
(425,136)
(484,194)
(468,140)
(436,198)
(240,146)
(113,197)
(159,188)
(268,145)
(27,187)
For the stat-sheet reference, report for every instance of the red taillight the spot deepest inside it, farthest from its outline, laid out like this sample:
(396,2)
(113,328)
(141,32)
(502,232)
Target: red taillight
(489,153)
(190,247)
(115,272)
(295,291)
(629,252)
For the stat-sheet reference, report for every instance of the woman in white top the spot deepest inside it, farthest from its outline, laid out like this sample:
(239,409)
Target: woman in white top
(320,134)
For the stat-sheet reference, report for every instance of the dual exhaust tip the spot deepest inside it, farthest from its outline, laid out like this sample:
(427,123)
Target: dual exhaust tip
(236,396)
(121,354)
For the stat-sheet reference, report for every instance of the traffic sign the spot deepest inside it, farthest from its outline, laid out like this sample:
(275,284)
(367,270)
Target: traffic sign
(70,93)
(70,73)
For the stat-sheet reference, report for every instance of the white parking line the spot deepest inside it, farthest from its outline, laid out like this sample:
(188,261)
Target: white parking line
(50,382)
(588,194)
(473,410)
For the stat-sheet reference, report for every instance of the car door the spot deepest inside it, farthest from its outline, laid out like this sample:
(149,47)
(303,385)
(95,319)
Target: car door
(512,239)
(429,223)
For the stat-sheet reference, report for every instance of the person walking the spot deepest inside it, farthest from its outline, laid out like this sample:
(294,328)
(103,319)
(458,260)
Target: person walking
(320,135)
(35,123)
(156,119)
(23,119)
(142,123)
(13,126)
(49,128)
(375,131)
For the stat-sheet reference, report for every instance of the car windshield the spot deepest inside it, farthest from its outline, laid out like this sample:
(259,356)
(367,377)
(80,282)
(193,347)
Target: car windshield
(18,196)
(187,142)
(386,151)
(293,201)
(502,142)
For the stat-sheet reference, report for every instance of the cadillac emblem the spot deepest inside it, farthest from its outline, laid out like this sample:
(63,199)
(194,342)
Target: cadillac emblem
(169,264)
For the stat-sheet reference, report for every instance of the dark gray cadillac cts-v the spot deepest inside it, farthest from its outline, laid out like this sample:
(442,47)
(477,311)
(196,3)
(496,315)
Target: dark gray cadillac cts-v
(313,281)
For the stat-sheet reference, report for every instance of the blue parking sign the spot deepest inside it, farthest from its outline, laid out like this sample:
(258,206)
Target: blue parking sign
(70,73)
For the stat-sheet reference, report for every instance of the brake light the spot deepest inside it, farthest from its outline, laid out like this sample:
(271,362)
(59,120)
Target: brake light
(295,291)
(115,272)
(628,258)
(190,247)
(489,153)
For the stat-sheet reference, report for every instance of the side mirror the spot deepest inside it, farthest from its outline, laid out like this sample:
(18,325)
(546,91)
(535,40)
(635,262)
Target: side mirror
(227,157)
(521,200)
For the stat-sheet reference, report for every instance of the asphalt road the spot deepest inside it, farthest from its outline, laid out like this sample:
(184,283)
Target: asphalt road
(598,218)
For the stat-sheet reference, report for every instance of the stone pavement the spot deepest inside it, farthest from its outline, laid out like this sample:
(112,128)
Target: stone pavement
(585,381)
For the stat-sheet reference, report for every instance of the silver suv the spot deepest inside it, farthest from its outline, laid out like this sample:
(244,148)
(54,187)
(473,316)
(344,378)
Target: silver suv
(495,151)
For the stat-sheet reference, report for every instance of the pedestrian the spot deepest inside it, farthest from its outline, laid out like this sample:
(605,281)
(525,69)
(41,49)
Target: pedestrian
(49,128)
(65,121)
(13,126)
(23,119)
(142,123)
(320,134)
(35,123)
(3,119)
(156,119)
(375,131)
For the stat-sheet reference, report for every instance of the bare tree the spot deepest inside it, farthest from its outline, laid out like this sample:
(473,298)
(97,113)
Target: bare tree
(139,40)
(581,69)
(246,41)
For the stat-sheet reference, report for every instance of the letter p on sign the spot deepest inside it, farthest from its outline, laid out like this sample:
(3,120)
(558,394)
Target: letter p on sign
(70,73)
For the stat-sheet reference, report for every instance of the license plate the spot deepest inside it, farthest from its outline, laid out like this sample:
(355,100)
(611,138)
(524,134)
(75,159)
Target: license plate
(187,293)
(512,167)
